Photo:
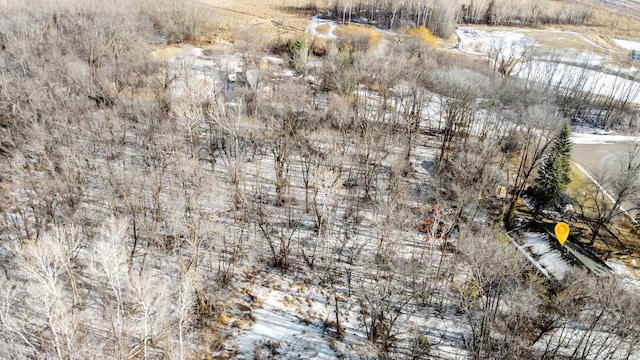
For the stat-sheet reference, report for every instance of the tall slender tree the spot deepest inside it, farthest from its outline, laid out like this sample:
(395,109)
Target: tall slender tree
(553,176)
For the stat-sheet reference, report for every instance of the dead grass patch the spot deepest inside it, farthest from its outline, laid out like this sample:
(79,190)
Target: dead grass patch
(614,24)
(254,298)
(564,40)
(224,318)
(323,29)
(243,306)
(423,34)
(578,182)
(303,288)
(358,36)
(242,322)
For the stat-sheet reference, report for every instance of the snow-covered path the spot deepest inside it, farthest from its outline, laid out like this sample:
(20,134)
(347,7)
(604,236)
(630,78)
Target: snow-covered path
(317,22)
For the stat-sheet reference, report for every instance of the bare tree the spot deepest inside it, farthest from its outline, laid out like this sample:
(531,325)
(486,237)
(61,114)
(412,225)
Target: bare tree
(457,107)
(489,281)
(184,302)
(46,265)
(472,180)
(109,265)
(283,121)
(279,238)
(148,314)
(383,301)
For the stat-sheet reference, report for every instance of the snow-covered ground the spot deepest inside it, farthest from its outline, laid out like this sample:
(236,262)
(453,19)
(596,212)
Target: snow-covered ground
(316,22)
(201,73)
(546,258)
(555,261)
(629,276)
(280,330)
(499,44)
(628,45)
(589,80)
(587,69)
(491,43)
(600,138)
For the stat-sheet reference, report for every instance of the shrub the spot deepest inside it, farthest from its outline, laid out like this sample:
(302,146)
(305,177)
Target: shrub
(421,348)
(177,22)
(358,37)
(297,52)
(340,71)
(423,34)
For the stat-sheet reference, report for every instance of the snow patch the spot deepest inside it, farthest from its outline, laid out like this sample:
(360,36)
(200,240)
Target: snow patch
(628,45)
(274,60)
(601,138)
(548,258)
(317,22)
(202,73)
(279,326)
(491,43)
(627,275)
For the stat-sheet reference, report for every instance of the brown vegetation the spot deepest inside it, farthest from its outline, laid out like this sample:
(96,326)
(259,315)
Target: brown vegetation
(150,190)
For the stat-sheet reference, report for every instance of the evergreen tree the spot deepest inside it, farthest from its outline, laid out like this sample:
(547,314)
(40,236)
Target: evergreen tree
(553,176)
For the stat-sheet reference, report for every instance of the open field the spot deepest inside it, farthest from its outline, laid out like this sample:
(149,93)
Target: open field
(271,16)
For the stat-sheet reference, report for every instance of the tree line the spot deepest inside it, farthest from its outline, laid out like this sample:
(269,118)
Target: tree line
(441,16)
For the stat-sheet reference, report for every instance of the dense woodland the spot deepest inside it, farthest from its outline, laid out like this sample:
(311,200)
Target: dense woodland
(136,197)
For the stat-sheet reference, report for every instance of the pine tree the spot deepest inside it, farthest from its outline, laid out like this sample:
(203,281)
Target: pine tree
(562,150)
(554,173)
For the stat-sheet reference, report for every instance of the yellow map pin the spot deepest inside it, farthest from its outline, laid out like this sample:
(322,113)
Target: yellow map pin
(562,232)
